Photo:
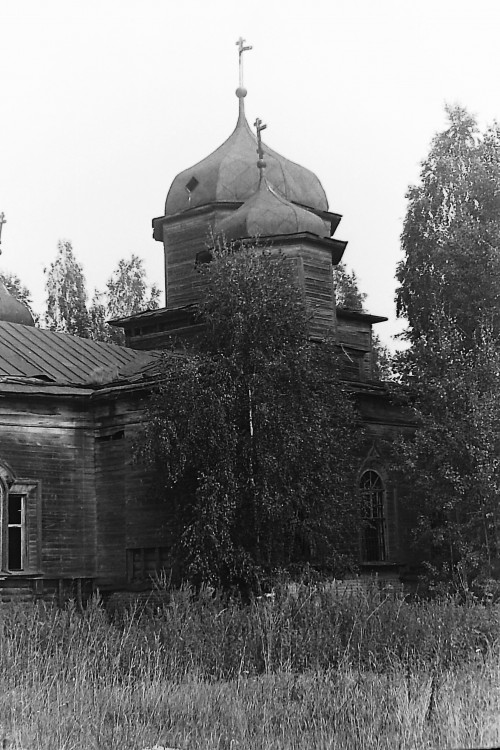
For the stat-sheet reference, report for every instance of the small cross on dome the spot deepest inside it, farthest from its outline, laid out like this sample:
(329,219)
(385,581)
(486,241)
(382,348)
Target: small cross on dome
(3,221)
(260,126)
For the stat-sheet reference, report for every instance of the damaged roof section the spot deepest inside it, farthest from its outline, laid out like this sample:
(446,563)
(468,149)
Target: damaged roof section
(48,357)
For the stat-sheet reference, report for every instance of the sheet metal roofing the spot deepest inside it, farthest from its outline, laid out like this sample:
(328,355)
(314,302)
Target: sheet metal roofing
(230,174)
(27,352)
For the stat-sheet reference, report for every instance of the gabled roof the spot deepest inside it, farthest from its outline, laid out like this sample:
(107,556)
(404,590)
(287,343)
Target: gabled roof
(51,357)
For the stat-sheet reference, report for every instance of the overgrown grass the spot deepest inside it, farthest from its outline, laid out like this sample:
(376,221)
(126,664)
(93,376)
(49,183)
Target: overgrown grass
(310,670)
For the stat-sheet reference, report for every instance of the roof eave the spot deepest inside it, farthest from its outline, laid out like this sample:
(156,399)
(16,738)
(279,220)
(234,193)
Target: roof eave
(345,312)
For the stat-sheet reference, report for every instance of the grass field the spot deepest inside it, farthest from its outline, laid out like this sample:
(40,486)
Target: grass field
(312,670)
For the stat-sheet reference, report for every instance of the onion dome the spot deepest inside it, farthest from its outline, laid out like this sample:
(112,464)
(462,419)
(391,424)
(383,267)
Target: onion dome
(229,175)
(12,310)
(267,213)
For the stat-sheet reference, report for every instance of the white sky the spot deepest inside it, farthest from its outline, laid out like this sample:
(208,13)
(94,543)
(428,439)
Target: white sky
(103,102)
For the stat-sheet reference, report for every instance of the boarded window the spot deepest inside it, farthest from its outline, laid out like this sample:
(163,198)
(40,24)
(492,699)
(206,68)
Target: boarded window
(145,563)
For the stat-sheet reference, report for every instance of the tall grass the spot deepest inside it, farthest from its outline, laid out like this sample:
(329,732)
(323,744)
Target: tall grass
(310,670)
(311,629)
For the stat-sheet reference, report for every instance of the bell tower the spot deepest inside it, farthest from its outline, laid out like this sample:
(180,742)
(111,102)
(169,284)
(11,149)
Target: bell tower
(235,193)
(243,191)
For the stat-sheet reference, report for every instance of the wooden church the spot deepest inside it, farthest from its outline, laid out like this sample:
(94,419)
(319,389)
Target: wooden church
(76,511)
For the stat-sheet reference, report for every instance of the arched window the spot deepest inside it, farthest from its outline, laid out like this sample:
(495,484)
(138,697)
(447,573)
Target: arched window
(373,502)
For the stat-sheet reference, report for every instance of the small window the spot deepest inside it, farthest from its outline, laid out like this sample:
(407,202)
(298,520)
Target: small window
(192,185)
(20,526)
(115,435)
(16,532)
(204,256)
(373,509)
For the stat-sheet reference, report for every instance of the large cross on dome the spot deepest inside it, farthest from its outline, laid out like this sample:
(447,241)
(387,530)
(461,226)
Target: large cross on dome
(241,49)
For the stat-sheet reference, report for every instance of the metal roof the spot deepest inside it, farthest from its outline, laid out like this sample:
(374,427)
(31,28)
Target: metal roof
(27,352)
(13,309)
(230,174)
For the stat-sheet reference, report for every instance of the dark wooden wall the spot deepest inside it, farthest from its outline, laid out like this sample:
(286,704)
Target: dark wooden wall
(129,514)
(95,500)
(50,441)
(189,235)
(183,239)
(99,511)
(355,337)
(383,421)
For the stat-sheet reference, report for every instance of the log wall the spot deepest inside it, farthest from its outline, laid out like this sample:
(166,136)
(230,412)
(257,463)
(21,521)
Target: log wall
(383,421)
(355,337)
(183,239)
(189,235)
(51,443)
(88,501)
(129,514)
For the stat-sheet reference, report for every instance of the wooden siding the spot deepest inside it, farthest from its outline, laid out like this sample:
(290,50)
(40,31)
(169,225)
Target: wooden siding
(51,443)
(128,513)
(110,460)
(383,421)
(355,338)
(313,268)
(318,286)
(183,240)
(95,502)
(33,522)
(189,235)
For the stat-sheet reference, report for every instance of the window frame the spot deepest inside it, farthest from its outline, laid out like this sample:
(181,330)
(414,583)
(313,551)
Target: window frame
(376,495)
(21,525)
(31,525)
